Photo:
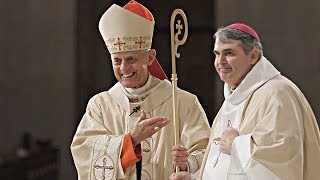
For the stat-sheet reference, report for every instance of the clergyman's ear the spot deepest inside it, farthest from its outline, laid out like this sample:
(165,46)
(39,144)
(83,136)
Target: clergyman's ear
(254,57)
(152,56)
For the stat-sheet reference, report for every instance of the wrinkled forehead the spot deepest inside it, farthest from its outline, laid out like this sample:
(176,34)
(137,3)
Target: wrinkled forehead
(127,54)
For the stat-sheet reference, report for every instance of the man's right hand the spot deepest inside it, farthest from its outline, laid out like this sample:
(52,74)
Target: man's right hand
(146,127)
(180,156)
(183,175)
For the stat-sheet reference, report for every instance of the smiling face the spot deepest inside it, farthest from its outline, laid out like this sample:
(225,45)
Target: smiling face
(231,61)
(131,68)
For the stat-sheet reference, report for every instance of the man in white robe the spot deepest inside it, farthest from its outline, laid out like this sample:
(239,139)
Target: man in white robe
(265,128)
(126,132)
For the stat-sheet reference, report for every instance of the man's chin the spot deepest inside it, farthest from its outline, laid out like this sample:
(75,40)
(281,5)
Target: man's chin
(223,78)
(129,85)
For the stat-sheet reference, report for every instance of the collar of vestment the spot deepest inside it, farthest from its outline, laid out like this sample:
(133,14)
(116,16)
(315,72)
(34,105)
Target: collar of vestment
(262,72)
(153,97)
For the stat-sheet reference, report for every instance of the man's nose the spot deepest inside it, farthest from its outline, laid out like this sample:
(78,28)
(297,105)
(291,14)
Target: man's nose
(124,65)
(221,59)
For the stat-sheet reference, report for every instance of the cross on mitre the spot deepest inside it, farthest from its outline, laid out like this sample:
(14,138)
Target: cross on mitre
(140,42)
(119,43)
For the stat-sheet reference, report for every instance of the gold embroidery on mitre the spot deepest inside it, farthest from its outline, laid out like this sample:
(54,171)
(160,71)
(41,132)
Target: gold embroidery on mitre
(128,43)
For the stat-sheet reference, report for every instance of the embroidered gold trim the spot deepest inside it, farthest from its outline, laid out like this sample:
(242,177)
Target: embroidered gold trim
(128,43)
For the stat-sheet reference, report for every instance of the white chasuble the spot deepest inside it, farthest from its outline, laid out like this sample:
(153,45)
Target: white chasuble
(218,164)
(97,144)
(279,137)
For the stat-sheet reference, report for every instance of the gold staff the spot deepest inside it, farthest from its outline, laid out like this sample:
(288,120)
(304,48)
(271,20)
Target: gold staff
(175,42)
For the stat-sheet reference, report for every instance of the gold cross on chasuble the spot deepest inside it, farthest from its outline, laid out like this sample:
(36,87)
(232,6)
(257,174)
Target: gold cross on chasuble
(104,168)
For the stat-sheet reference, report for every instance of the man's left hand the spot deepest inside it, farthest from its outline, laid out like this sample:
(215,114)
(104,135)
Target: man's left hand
(227,138)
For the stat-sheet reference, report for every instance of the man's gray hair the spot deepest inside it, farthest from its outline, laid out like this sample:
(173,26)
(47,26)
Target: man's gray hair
(248,42)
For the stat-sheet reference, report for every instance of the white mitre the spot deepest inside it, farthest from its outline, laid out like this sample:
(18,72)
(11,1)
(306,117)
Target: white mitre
(127,29)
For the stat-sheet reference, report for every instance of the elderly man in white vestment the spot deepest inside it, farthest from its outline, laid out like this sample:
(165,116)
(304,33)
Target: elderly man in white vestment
(265,129)
(126,132)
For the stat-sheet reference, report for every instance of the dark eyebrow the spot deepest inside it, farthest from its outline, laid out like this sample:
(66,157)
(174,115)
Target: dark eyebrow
(225,50)
(229,49)
(129,57)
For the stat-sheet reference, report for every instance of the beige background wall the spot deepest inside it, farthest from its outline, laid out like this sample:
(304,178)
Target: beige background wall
(37,64)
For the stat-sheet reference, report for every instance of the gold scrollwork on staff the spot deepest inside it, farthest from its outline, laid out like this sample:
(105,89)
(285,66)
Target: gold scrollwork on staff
(175,43)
